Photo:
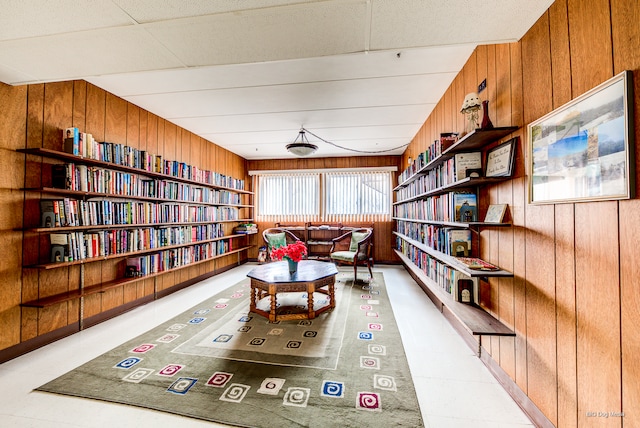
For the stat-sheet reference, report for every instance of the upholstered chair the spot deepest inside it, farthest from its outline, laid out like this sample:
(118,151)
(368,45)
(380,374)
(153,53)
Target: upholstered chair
(275,237)
(354,248)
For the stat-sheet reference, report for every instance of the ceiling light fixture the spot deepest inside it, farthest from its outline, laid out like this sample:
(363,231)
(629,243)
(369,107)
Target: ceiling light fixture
(302,147)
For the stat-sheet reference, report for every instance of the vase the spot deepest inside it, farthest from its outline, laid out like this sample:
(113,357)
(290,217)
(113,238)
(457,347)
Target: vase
(486,122)
(293,266)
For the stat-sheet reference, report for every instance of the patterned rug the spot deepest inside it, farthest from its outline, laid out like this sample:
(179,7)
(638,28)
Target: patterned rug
(221,363)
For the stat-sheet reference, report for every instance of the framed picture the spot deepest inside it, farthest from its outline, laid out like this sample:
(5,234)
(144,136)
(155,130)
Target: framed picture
(495,213)
(583,151)
(500,159)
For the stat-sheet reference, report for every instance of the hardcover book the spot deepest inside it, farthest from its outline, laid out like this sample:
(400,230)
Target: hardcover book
(465,207)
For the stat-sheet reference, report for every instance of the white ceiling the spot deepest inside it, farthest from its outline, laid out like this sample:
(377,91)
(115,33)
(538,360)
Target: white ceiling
(248,74)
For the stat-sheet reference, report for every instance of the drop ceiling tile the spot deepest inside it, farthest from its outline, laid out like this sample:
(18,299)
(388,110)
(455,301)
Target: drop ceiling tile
(434,22)
(400,90)
(70,56)
(301,31)
(310,119)
(339,67)
(34,18)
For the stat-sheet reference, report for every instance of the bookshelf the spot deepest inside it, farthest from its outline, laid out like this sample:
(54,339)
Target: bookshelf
(167,214)
(426,218)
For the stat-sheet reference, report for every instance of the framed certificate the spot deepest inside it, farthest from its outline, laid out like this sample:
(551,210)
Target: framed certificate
(500,159)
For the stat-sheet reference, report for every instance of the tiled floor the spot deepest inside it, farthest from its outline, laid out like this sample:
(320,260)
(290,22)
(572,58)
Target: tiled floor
(454,388)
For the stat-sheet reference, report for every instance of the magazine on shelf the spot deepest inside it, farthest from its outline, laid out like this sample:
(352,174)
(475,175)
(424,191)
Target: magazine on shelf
(477,264)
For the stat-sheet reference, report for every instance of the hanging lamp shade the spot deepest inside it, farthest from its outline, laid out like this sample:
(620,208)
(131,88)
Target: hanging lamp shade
(301,146)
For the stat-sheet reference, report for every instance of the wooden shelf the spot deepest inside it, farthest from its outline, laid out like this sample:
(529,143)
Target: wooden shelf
(451,261)
(466,182)
(68,157)
(129,226)
(474,140)
(56,265)
(472,317)
(463,225)
(83,195)
(105,286)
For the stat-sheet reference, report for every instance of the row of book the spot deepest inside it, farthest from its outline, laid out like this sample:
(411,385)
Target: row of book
(448,172)
(106,212)
(100,180)
(432,152)
(84,145)
(453,206)
(175,257)
(447,240)
(75,246)
(461,287)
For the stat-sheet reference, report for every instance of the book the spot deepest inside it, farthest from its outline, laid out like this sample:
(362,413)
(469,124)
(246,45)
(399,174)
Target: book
(465,289)
(72,141)
(47,213)
(459,242)
(465,207)
(467,161)
(495,213)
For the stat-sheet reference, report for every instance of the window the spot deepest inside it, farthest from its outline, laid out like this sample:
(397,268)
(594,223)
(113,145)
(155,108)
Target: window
(288,197)
(327,195)
(357,196)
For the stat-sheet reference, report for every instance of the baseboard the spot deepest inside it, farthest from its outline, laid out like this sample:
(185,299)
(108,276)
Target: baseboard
(38,342)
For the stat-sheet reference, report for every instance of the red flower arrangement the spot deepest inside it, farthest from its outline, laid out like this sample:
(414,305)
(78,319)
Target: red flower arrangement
(295,252)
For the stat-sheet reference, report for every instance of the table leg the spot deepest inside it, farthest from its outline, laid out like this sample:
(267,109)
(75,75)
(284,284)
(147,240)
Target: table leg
(310,289)
(332,295)
(252,305)
(274,303)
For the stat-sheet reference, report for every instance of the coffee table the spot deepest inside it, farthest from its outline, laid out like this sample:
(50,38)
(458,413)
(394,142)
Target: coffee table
(273,278)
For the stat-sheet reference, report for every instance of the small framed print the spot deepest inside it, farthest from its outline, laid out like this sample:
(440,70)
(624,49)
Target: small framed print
(500,159)
(495,213)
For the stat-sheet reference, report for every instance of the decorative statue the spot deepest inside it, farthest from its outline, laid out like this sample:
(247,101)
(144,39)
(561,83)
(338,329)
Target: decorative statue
(470,107)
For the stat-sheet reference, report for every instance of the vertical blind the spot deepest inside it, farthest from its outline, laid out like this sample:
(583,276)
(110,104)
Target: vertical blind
(289,197)
(341,196)
(357,196)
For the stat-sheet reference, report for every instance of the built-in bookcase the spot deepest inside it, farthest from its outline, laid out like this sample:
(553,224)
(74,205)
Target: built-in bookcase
(144,211)
(437,223)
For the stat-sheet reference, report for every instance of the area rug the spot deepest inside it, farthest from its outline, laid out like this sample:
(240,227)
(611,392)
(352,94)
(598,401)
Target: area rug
(219,362)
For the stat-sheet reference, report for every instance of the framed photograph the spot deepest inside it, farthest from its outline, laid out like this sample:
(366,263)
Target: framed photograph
(495,213)
(583,151)
(500,159)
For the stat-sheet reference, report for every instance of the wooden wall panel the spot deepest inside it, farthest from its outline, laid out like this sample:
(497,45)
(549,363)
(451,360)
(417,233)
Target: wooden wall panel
(33,179)
(560,53)
(566,315)
(597,309)
(626,39)
(95,118)
(13,134)
(116,115)
(590,41)
(630,313)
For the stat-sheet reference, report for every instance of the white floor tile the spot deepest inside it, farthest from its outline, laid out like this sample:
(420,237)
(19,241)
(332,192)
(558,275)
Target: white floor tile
(453,386)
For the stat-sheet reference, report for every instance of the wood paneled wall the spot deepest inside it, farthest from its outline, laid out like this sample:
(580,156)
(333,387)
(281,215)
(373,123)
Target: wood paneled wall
(382,246)
(34,116)
(574,300)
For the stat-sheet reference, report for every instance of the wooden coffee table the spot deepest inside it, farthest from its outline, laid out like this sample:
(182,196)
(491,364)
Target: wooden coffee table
(273,278)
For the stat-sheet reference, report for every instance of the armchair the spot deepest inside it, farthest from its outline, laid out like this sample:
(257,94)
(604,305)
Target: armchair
(353,248)
(276,237)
